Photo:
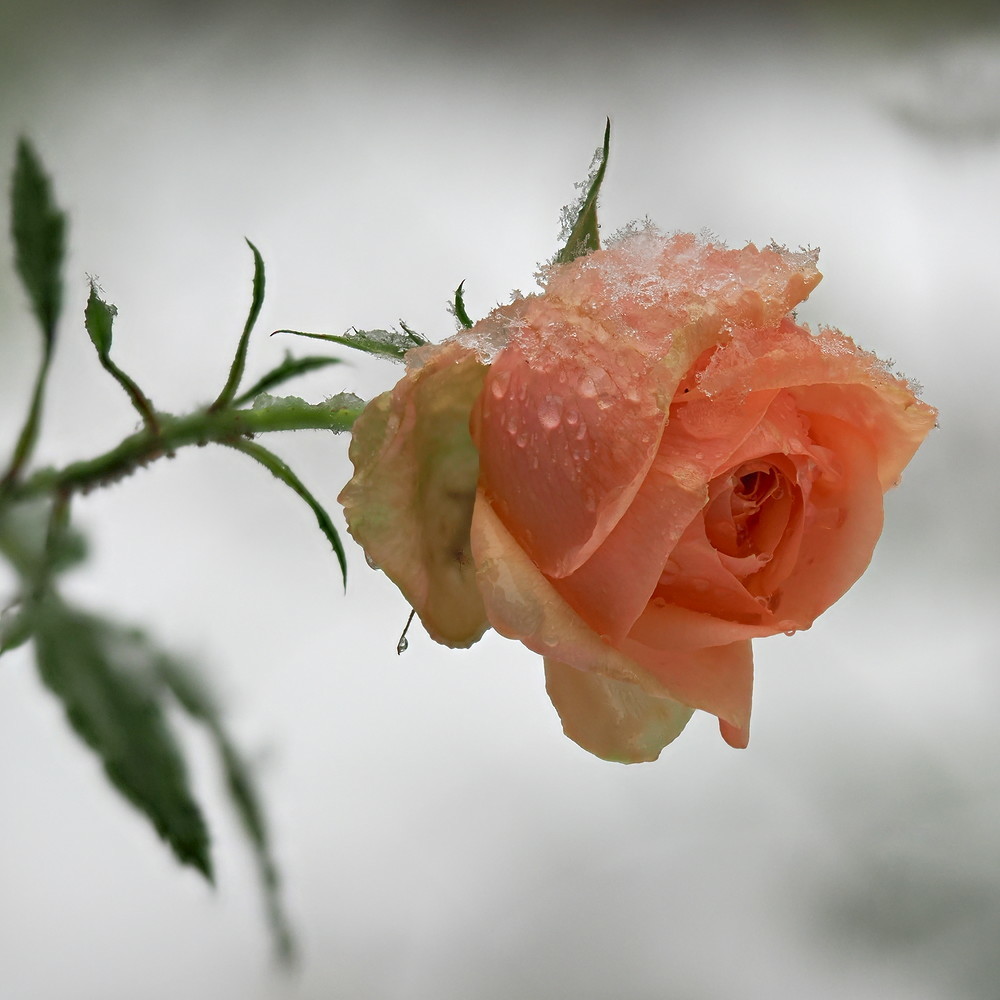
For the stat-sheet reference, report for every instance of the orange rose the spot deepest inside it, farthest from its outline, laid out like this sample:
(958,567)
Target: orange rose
(635,473)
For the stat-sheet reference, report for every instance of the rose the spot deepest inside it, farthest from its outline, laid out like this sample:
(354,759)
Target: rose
(635,473)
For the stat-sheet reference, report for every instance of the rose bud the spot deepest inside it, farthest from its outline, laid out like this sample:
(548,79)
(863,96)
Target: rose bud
(635,472)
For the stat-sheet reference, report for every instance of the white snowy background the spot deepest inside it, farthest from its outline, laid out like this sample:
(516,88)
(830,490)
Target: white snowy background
(439,838)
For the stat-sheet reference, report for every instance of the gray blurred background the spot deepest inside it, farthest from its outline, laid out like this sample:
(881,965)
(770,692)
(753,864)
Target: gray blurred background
(439,837)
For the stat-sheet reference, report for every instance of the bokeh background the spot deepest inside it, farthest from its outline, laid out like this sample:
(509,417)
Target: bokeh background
(438,836)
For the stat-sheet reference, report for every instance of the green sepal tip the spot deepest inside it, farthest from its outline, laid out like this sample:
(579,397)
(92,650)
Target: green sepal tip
(584,231)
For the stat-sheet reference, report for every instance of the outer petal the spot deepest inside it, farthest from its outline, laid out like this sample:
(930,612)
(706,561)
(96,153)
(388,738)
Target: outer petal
(589,371)
(829,374)
(585,402)
(613,720)
(716,679)
(613,587)
(842,524)
(410,501)
(522,604)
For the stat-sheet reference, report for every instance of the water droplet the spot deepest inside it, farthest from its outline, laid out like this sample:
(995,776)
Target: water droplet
(550,640)
(550,412)
(371,562)
(521,440)
(572,416)
(791,631)
(500,384)
(512,424)
(404,644)
(588,387)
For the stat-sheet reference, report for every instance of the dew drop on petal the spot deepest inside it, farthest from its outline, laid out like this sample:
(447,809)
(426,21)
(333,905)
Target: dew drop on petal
(550,412)
(500,384)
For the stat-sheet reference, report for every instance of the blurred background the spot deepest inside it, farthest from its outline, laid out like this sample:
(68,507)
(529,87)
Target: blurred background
(438,836)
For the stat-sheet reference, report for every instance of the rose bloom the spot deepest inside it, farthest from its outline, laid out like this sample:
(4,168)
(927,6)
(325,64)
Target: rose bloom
(635,473)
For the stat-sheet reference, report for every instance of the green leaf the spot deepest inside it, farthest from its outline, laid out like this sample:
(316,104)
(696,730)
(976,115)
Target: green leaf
(38,227)
(458,308)
(195,698)
(417,339)
(29,546)
(15,627)
(281,471)
(580,219)
(239,361)
(385,343)
(343,401)
(106,679)
(99,317)
(288,369)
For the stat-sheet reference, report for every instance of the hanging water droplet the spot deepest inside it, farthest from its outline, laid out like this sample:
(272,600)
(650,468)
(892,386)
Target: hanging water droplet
(371,562)
(404,644)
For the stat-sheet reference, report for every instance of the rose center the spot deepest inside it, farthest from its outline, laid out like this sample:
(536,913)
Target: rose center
(745,512)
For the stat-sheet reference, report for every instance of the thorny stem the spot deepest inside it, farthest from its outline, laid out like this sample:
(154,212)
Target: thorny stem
(226,426)
(26,440)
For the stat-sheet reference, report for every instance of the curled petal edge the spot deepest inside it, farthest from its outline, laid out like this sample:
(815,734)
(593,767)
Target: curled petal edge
(613,720)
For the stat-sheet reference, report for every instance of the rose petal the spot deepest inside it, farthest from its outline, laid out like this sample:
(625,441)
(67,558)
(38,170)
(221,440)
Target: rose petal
(716,679)
(843,521)
(570,398)
(644,274)
(522,604)
(673,628)
(827,373)
(410,501)
(613,720)
(589,371)
(611,589)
